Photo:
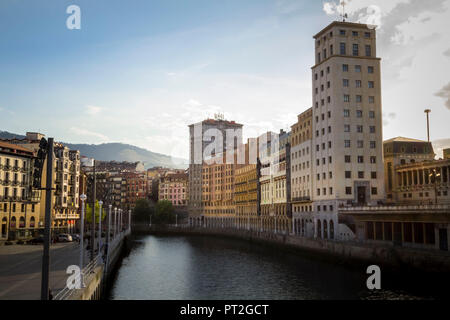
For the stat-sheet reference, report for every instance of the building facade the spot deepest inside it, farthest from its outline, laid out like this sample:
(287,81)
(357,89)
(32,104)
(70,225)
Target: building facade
(209,136)
(173,187)
(19,204)
(347,125)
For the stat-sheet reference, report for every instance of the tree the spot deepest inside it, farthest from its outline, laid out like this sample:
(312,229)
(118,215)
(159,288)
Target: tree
(164,213)
(97,210)
(142,211)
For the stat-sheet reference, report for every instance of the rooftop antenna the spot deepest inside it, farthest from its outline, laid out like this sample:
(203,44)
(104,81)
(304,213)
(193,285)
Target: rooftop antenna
(343,14)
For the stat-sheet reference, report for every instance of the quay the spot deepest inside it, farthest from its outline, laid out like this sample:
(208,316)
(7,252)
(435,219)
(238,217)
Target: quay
(385,255)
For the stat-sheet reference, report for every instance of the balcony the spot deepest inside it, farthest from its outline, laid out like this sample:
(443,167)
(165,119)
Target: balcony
(16,169)
(7,167)
(15,183)
(7,182)
(301,199)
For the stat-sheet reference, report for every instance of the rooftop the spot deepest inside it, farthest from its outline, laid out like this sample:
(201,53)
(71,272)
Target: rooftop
(403,139)
(344,24)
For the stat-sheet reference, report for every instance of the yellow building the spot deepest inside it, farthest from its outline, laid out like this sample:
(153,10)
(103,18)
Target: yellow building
(65,182)
(246,197)
(19,205)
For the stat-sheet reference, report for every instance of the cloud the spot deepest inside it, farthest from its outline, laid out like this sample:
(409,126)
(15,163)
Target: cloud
(447,53)
(85,132)
(439,146)
(93,110)
(445,93)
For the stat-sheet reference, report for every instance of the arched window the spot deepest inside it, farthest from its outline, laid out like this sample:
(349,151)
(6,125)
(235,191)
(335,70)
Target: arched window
(319,229)
(32,222)
(13,222)
(331,229)
(325,229)
(22,222)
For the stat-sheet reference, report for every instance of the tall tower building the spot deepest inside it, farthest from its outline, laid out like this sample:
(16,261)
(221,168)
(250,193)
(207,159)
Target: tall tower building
(347,144)
(203,136)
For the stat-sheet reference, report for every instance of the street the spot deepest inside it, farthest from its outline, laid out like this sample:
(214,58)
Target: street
(20,269)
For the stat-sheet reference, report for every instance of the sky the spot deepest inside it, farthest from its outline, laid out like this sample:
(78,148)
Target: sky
(141,71)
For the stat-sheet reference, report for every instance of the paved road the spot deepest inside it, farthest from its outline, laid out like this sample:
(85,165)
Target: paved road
(21,265)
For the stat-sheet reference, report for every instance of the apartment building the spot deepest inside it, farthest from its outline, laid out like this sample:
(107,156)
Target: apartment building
(346,125)
(173,187)
(209,136)
(19,205)
(65,182)
(275,184)
(301,175)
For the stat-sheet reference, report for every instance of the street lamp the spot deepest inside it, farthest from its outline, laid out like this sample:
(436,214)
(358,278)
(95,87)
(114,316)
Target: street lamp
(427,111)
(83,199)
(435,175)
(100,204)
(115,222)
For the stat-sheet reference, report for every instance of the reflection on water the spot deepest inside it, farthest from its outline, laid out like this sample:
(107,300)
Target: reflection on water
(194,268)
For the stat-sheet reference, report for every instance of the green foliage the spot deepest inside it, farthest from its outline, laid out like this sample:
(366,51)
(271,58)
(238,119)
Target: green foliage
(88,216)
(142,211)
(164,213)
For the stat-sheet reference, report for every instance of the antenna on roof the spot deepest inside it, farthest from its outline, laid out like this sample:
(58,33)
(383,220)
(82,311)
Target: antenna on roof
(343,14)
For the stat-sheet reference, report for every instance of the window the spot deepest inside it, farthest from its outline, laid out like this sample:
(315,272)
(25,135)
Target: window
(374,191)
(345,67)
(370,69)
(348,159)
(355,33)
(329,114)
(330,160)
(342,49)
(316,76)
(371,99)
(317,90)
(372,114)
(357,68)
(318,192)
(322,87)
(329,99)
(331,50)
(321,73)
(368,51)
(372,144)
(358,83)
(360,174)
(346,98)
(348,190)
(347,143)
(347,128)
(359,129)
(359,113)
(342,32)
(359,98)
(355,50)
(373,174)
(348,174)
(328,84)
(360,144)
(346,113)
(366,35)
(371,84)
(372,129)
(328,69)
(373,159)
(345,82)
(360,159)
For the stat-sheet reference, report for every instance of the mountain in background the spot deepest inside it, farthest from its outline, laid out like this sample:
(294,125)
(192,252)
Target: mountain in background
(118,152)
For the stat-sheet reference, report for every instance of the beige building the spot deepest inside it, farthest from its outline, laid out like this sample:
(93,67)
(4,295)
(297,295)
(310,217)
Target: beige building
(275,184)
(347,154)
(65,182)
(203,135)
(19,204)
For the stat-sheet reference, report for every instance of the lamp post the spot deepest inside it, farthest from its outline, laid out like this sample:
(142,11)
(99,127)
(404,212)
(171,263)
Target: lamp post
(427,111)
(83,199)
(100,211)
(115,222)
(435,175)
(109,224)
(129,219)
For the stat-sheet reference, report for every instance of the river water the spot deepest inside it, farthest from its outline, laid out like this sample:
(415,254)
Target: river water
(204,268)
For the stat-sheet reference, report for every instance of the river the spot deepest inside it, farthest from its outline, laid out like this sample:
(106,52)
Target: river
(204,268)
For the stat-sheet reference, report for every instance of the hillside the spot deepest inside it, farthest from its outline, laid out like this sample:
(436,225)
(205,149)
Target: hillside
(118,152)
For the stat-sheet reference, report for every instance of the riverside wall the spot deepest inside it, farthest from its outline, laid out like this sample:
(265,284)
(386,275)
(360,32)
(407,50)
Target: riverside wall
(384,255)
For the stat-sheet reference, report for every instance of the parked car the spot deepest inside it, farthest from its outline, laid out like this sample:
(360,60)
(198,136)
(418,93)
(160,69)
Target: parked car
(36,240)
(76,237)
(64,237)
